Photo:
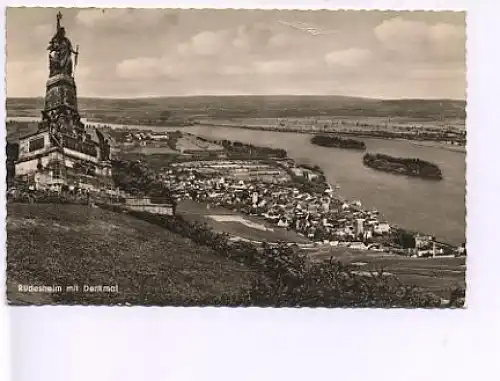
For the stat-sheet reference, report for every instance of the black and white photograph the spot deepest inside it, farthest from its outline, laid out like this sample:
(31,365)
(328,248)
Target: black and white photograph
(236,158)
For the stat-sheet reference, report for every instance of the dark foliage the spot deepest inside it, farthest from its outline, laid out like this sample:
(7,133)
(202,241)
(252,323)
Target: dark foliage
(236,148)
(64,197)
(405,166)
(337,142)
(12,154)
(136,178)
(404,239)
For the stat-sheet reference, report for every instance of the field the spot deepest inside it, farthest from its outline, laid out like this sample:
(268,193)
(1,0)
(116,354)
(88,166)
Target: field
(434,274)
(189,142)
(153,150)
(341,123)
(67,245)
(195,211)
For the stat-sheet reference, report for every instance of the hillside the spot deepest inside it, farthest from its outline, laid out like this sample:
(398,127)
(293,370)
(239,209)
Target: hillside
(251,106)
(70,244)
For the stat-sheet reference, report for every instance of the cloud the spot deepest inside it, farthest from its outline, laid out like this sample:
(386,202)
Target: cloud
(280,40)
(120,18)
(252,37)
(285,66)
(44,31)
(412,39)
(234,70)
(166,67)
(277,67)
(436,74)
(140,68)
(82,72)
(205,43)
(348,58)
(99,17)
(23,76)
(247,38)
(126,52)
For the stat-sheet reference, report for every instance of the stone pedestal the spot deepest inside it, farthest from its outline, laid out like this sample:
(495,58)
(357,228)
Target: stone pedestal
(61,92)
(60,114)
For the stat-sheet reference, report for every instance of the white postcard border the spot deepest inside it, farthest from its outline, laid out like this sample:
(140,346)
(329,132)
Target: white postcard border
(105,343)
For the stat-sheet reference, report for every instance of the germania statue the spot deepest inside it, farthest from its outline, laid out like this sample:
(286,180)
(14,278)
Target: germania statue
(60,52)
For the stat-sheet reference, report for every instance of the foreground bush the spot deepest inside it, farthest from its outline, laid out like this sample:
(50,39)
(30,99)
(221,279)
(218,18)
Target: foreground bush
(287,279)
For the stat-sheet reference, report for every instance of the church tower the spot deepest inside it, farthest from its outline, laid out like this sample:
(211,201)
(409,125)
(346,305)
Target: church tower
(64,151)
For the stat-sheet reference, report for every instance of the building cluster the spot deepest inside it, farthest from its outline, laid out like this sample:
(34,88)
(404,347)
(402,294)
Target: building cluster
(182,142)
(246,170)
(137,136)
(322,217)
(426,246)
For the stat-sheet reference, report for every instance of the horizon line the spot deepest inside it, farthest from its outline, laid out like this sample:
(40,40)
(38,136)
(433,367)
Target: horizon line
(249,95)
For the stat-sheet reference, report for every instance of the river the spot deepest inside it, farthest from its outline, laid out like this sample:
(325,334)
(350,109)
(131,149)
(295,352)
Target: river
(434,207)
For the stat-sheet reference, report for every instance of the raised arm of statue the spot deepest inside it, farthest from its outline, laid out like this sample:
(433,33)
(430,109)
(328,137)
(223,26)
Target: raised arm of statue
(59,17)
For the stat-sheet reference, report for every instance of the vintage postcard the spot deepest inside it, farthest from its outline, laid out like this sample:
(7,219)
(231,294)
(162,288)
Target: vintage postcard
(269,158)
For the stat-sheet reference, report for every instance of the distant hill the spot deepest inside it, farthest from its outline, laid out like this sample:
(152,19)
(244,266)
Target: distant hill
(73,244)
(254,106)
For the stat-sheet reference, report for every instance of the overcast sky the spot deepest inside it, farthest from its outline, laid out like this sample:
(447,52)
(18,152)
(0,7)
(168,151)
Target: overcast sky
(132,53)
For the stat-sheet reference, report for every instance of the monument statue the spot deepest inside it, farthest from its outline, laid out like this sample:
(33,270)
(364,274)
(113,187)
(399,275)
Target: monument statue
(60,52)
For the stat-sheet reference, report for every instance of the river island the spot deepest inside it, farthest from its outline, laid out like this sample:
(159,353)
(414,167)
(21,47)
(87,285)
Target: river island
(403,166)
(337,142)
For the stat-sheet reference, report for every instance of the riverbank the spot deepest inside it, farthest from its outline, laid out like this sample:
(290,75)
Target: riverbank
(382,135)
(315,212)
(375,134)
(439,145)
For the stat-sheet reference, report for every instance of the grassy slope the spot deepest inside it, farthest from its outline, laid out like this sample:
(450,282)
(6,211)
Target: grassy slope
(434,274)
(66,245)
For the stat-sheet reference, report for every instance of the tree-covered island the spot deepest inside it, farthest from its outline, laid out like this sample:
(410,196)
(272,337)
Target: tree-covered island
(403,166)
(337,142)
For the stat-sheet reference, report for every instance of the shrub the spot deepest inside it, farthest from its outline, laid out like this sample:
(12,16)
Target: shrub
(288,279)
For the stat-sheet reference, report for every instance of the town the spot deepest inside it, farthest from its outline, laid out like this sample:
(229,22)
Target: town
(266,185)
(271,192)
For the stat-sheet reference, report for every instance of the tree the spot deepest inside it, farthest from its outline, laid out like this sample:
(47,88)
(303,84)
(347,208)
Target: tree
(405,239)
